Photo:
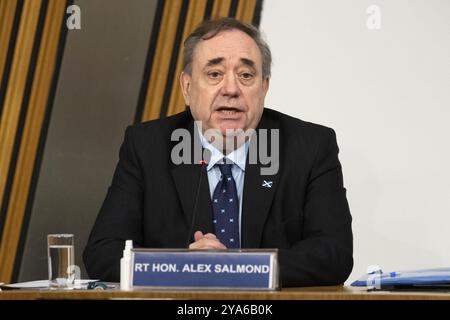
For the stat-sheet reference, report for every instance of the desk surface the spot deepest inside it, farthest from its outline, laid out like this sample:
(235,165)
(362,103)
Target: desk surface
(312,293)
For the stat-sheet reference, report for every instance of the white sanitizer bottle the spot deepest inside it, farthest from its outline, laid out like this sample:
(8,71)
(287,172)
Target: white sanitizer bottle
(125,266)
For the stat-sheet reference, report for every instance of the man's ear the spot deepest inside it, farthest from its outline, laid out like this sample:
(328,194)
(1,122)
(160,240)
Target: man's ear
(185,83)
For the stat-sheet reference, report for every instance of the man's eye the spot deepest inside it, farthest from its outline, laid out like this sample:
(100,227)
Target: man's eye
(246,76)
(214,74)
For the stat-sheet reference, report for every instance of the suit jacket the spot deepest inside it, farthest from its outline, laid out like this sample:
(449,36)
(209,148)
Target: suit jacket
(304,214)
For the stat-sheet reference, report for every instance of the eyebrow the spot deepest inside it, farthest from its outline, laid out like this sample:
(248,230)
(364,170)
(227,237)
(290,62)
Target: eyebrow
(215,61)
(219,60)
(248,62)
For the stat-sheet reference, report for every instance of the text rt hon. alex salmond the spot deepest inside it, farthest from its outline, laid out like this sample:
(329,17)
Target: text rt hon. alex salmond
(227,172)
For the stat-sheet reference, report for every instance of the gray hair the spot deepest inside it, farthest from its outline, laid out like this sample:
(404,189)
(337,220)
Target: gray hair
(209,29)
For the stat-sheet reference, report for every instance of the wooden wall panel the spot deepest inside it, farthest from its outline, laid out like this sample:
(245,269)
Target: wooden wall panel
(16,86)
(7,13)
(221,8)
(26,96)
(158,78)
(194,17)
(246,10)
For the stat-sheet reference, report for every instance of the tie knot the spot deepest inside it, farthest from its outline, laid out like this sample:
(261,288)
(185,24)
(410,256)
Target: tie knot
(225,169)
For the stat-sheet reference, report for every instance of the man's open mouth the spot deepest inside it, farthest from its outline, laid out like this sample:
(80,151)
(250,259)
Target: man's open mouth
(228,110)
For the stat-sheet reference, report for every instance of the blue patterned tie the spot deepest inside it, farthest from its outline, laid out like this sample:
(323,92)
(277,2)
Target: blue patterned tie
(226,208)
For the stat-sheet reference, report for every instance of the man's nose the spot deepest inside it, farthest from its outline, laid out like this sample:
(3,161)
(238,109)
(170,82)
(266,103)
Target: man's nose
(230,86)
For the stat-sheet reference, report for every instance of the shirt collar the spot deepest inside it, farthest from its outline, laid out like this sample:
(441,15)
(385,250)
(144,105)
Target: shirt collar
(237,156)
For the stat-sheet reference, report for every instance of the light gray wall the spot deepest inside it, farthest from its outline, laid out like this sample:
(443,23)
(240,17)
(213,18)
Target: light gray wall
(386,93)
(96,99)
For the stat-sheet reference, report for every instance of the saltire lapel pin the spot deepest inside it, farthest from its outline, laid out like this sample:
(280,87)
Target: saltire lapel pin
(267,184)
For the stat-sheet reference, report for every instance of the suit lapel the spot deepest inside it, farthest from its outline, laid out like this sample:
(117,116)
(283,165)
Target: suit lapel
(187,181)
(186,178)
(258,195)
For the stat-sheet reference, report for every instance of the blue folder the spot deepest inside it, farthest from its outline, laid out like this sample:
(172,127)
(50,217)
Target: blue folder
(414,279)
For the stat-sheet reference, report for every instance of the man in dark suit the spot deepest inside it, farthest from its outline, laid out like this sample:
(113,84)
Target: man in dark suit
(158,202)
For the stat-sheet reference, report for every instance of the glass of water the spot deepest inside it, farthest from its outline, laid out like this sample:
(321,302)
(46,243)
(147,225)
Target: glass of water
(61,260)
